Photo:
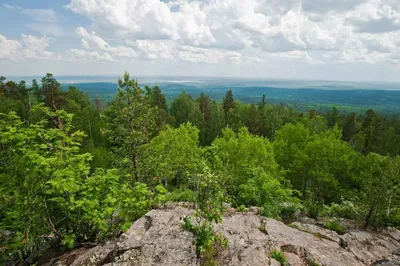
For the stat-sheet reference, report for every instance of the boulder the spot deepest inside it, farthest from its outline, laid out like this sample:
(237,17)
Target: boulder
(159,239)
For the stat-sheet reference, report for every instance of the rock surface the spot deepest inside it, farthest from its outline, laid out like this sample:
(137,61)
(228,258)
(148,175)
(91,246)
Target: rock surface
(158,239)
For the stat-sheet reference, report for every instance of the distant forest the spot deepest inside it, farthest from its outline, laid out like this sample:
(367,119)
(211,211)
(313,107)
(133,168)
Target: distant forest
(322,99)
(77,170)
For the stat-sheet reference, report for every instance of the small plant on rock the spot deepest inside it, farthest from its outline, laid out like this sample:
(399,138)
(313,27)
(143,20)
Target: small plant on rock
(241,208)
(279,256)
(311,262)
(208,211)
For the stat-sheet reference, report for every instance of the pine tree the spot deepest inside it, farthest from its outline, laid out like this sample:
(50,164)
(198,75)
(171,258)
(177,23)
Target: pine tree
(52,93)
(333,117)
(131,124)
(369,127)
(229,102)
(349,127)
(205,128)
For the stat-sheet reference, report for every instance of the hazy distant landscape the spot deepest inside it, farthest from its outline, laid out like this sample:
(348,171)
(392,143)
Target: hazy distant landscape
(304,95)
(301,94)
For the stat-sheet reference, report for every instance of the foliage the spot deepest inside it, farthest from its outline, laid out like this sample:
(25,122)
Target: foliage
(173,155)
(241,208)
(48,189)
(345,209)
(208,211)
(311,262)
(185,195)
(279,256)
(236,157)
(131,123)
(266,191)
(335,226)
(74,170)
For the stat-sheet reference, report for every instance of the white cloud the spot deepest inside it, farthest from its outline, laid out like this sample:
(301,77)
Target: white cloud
(150,19)
(211,56)
(97,48)
(153,49)
(82,55)
(9,48)
(29,47)
(216,31)
(91,41)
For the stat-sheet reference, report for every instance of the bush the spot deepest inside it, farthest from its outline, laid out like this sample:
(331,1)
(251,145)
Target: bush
(261,189)
(313,209)
(241,208)
(208,211)
(186,195)
(394,219)
(279,256)
(288,212)
(335,226)
(344,210)
(311,262)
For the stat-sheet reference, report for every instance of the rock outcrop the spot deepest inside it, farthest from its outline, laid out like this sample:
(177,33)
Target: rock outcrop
(158,239)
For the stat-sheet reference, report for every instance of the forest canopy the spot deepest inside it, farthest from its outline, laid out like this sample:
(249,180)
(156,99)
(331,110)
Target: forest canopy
(75,170)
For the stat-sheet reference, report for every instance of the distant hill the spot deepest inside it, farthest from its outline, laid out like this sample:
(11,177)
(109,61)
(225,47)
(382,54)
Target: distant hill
(346,97)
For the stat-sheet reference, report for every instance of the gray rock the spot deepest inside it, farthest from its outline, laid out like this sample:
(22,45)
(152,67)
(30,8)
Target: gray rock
(273,262)
(158,239)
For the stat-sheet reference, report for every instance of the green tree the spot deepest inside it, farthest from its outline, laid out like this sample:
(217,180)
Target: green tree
(48,192)
(229,107)
(324,167)
(369,127)
(349,126)
(289,143)
(173,156)
(261,189)
(184,109)
(333,117)
(131,123)
(238,153)
(205,126)
(52,94)
(158,100)
(253,120)
(380,189)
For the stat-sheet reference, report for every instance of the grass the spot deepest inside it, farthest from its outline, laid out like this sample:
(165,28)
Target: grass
(295,226)
(279,256)
(311,262)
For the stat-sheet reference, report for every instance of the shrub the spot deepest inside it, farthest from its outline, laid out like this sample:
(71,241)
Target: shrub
(241,208)
(344,210)
(262,189)
(311,262)
(335,226)
(279,256)
(186,195)
(288,212)
(208,211)
(312,208)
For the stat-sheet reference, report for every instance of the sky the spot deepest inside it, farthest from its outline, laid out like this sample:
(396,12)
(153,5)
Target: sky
(352,40)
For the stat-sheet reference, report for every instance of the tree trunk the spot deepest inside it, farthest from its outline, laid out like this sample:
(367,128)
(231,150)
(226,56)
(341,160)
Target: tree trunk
(368,217)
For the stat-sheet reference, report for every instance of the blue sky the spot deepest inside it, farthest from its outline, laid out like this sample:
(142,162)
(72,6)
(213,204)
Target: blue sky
(298,39)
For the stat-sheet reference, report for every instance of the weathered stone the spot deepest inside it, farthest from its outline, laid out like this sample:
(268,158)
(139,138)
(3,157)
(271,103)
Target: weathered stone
(294,260)
(254,210)
(318,231)
(273,262)
(158,239)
